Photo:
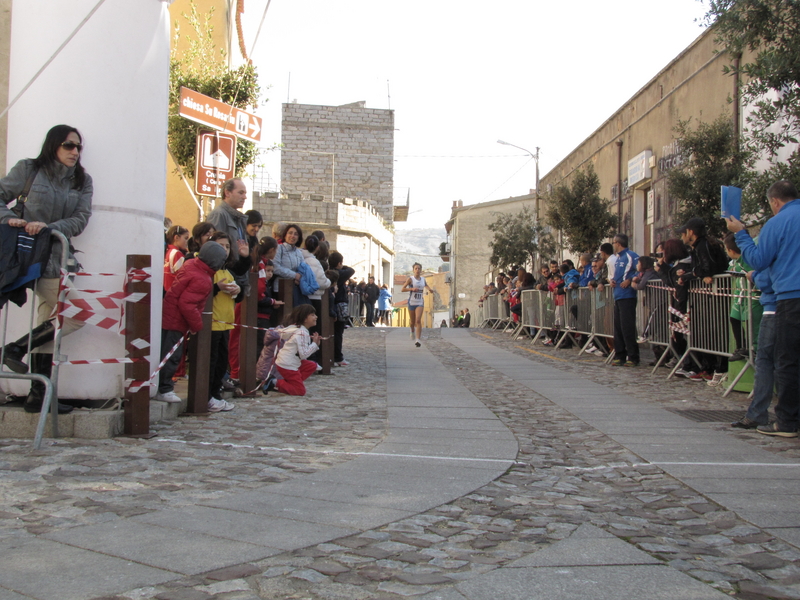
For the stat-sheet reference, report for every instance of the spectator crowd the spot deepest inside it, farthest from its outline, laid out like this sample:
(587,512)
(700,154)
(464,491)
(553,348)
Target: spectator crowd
(769,299)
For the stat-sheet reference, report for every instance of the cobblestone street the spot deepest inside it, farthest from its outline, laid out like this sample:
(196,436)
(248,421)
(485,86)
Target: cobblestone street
(569,480)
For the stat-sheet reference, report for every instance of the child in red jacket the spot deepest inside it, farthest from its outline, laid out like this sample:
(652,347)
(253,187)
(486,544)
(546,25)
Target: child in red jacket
(182,311)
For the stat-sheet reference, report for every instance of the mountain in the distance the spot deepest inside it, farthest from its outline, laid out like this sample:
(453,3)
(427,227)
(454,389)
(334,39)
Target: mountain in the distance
(418,245)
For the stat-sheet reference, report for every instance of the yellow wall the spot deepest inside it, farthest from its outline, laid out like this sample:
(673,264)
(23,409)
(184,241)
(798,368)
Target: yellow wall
(181,207)
(691,86)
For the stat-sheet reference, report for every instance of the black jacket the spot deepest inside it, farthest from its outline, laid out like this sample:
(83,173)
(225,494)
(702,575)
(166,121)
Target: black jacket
(23,259)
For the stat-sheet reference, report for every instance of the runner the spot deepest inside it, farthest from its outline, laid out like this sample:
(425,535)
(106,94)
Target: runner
(416,285)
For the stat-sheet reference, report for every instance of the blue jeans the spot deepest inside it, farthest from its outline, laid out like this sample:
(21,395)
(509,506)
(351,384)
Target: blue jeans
(764,387)
(787,363)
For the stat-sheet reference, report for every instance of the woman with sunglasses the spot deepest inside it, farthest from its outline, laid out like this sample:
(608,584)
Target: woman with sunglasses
(59,198)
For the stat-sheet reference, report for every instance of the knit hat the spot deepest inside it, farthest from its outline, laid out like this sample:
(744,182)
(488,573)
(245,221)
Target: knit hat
(213,255)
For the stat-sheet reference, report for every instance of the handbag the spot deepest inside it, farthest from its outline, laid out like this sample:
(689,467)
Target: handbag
(342,311)
(19,207)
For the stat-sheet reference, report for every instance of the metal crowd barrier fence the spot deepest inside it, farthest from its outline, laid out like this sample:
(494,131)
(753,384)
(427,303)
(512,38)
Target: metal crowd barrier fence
(653,318)
(709,316)
(503,313)
(354,305)
(478,316)
(577,313)
(530,317)
(490,312)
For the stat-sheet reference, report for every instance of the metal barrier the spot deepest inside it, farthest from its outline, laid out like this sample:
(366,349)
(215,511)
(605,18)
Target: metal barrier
(503,312)
(530,316)
(577,316)
(709,318)
(653,318)
(491,314)
(478,316)
(354,305)
(50,383)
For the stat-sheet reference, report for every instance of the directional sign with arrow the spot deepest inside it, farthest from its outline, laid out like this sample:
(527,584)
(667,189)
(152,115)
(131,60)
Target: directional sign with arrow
(218,115)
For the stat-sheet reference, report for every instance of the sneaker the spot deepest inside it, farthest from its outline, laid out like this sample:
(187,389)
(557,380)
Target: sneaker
(670,364)
(547,342)
(618,363)
(642,339)
(739,354)
(341,363)
(685,373)
(318,368)
(417,344)
(632,363)
(701,376)
(718,379)
(744,423)
(170,397)
(217,405)
(268,386)
(772,429)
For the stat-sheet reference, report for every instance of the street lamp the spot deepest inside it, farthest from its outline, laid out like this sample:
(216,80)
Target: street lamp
(535,157)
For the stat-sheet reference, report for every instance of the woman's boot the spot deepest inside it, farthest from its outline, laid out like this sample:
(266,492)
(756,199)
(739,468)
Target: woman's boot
(14,352)
(42,364)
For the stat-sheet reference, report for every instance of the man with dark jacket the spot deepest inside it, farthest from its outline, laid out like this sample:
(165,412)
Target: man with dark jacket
(371,293)
(465,321)
(707,260)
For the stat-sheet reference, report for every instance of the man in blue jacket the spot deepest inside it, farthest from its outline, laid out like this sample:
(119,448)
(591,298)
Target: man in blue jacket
(626,350)
(778,248)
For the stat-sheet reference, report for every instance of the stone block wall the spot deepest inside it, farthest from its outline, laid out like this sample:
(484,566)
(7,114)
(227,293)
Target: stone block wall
(339,152)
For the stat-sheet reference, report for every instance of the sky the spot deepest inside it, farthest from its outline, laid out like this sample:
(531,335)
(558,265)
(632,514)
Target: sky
(461,75)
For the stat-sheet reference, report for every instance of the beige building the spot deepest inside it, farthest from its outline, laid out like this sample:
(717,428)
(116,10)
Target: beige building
(469,236)
(634,149)
(352,227)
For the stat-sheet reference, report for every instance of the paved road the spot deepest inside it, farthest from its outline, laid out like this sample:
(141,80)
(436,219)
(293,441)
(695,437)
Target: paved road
(471,468)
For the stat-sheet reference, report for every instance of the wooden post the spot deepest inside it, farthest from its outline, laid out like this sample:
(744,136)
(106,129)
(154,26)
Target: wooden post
(137,327)
(326,324)
(285,293)
(248,338)
(199,359)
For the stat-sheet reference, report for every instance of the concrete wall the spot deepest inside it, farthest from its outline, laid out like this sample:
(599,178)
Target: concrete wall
(352,227)
(338,152)
(5,64)
(692,85)
(469,241)
(119,103)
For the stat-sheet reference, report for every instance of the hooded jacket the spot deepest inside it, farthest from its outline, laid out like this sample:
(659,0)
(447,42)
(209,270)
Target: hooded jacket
(186,299)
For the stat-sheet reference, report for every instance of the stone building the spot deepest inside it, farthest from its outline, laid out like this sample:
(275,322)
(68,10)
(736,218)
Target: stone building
(337,166)
(469,247)
(339,152)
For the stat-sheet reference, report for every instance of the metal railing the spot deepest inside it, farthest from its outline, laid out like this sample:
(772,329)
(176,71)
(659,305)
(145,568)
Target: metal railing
(50,383)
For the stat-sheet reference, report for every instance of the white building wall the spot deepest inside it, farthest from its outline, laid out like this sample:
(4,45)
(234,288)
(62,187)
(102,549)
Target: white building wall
(110,82)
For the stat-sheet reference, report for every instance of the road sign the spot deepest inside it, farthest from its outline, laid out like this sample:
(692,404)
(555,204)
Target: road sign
(218,115)
(215,161)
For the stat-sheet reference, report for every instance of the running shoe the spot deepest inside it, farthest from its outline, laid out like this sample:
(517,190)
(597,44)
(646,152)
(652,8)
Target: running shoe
(217,405)
(685,373)
(773,429)
(341,363)
(417,344)
(170,397)
(718,379)
(701,376)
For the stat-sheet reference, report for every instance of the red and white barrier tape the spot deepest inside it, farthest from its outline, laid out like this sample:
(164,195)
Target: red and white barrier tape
(681,326)
(134,386)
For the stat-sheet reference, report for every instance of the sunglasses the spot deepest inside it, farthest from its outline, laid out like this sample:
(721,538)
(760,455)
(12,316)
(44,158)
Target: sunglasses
(70,146)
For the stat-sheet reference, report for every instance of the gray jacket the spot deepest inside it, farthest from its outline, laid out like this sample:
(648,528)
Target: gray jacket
(229,220)
(50,201)
(234,223)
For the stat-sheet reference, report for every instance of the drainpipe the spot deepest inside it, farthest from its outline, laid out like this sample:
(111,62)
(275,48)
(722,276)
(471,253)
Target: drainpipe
(619,184)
